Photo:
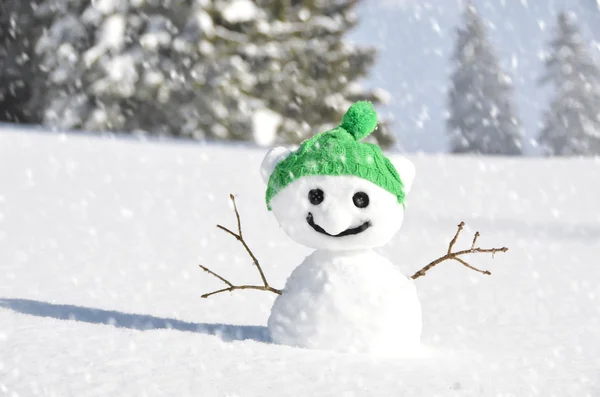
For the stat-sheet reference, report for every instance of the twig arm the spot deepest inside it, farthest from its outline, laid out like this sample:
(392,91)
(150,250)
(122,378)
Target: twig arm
(424,270)
(236,287)
(460,228)
(238,236)
(232,287)
(455,255)
(207,270)
(486,272)
(481,251)
(475,237)
(237,214)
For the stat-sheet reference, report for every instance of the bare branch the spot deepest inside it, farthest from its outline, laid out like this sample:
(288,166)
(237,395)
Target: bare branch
(424,270)
(237,215)
(460,228)
(240,238)
(256,287)
(260,271)
(481,251)
(471,267)
(207,270)
(216,292)
(475,240)
(455,255)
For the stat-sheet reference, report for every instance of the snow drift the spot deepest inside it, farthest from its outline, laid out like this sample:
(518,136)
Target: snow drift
(100,239)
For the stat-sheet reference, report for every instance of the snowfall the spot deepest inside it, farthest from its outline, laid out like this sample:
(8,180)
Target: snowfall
(101,238)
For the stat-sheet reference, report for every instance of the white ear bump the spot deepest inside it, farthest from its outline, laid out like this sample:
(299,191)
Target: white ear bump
(273,157)
(406,169)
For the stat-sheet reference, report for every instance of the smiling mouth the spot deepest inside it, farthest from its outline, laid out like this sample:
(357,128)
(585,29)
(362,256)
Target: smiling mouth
(347,232)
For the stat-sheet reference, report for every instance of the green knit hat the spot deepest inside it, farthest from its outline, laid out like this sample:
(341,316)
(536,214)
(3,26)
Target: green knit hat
(340,152)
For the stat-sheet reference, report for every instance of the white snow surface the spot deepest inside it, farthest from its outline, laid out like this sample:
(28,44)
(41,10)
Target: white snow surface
(351,301)
(100,239)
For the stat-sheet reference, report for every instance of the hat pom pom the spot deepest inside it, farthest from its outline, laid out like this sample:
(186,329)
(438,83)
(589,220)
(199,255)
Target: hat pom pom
(360,120)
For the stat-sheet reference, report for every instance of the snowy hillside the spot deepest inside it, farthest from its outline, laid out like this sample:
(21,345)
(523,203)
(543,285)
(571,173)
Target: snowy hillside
(100,241)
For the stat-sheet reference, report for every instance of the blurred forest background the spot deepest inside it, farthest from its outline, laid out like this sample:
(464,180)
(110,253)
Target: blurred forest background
(496,77)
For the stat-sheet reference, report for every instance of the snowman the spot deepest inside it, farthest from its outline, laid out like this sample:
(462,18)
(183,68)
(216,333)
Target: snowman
(343,198)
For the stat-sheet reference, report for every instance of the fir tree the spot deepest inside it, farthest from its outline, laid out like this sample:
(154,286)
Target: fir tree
(17,32)
(216,69)
(572,123)
(481,113)
(306,71)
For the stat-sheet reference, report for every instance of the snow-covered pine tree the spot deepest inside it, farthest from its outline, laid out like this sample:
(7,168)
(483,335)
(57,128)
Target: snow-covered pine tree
(482,116)
(218,69)
(572,123)
(127,66)
(17,29)
(307,72)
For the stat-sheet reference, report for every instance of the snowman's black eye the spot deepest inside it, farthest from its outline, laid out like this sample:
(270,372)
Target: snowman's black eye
(361,199)
(316,196)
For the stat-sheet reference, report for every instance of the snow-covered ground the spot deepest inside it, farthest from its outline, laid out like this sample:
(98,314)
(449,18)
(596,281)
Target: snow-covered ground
(100,241)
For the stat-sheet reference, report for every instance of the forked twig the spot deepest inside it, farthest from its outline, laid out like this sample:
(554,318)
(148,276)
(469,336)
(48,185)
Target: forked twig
(475,240)
(486,272)
(455,255)
(239,237)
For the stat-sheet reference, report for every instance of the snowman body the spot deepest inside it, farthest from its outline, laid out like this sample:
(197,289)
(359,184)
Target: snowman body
(348,301)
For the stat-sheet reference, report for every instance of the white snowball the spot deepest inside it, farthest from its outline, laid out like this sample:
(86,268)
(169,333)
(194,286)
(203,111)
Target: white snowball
(354,301)
(337,213)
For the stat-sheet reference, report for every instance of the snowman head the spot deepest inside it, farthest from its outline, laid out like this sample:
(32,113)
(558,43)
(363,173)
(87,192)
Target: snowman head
(335,192)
